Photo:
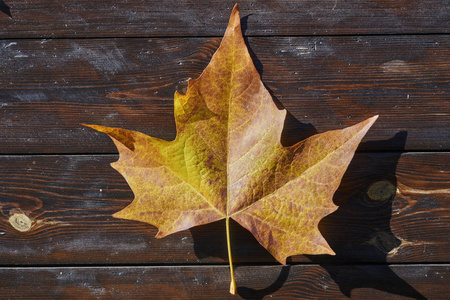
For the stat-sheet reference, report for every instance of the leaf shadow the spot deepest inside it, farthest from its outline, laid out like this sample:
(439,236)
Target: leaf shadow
(209,241)
(293,130)
(256,62)
(249,293)
(368,238)
(5,8)
(359,230)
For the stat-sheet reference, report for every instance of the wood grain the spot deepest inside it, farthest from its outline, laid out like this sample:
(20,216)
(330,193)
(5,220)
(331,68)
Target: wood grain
(49,87)
(70,199)
(117,63)
(83,18)
(254,282)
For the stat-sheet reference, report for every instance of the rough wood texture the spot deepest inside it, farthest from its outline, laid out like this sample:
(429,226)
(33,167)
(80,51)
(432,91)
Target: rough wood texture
(70,199)
(49,87)
(211,282)
(117,63)
(83,18)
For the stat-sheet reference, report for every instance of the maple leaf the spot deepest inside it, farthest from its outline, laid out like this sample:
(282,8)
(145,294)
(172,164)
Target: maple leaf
(227,161)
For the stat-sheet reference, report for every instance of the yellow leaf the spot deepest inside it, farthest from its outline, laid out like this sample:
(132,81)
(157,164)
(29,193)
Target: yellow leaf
(227,161)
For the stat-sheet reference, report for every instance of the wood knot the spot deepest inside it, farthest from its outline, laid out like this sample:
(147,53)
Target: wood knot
(386,241)
(20,222)
(379,192)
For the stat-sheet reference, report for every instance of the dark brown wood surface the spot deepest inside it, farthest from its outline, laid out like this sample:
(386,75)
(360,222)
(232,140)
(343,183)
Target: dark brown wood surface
(211,282)
(49,87)
(70,199)
(330,63)
(69,18)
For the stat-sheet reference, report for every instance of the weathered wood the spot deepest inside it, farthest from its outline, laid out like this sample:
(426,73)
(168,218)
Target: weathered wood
(212,282)
(100,18)
(49,87)
(69,201)
(118,63)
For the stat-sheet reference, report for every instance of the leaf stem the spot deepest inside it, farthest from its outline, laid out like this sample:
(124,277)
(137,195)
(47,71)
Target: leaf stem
(233,281)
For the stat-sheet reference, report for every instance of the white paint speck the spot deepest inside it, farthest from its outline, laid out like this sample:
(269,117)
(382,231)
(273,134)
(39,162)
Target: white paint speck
(10,44)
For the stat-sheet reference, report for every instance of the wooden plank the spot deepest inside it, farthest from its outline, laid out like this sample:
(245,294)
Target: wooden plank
(69,201)
(212,282)
(49,87)
(83,18)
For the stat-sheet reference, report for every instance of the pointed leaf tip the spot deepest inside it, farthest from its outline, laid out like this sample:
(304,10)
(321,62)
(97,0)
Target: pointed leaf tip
(227,161)
(373,119)
(234,10)
(124,137)
(235,20)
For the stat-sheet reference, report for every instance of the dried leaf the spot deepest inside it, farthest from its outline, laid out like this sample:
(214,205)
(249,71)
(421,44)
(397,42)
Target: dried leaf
(227,161)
